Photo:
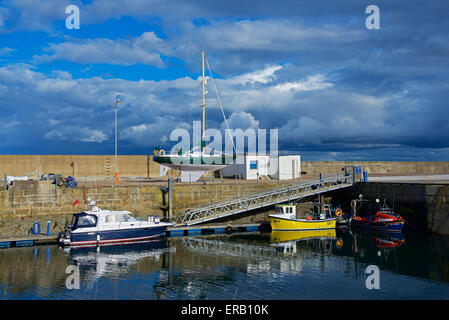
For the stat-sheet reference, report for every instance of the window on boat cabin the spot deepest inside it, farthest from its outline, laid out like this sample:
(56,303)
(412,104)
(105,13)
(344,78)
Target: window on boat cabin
(110,218)
(119,218)
(128,218)
(253,164)
(85,221)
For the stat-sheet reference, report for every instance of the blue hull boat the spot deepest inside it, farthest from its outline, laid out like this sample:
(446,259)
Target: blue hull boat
(96,227)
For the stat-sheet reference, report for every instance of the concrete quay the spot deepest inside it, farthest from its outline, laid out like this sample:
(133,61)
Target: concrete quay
(419,179)
(175,231)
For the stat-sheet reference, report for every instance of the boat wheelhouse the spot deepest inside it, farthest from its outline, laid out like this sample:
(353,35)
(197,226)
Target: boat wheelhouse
(95,227)
(285,219)
(366,214)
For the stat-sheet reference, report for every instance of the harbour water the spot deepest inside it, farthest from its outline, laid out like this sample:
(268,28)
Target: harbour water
(241,266)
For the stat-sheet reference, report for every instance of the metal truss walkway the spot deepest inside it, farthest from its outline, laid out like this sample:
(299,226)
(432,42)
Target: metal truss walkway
(268,198)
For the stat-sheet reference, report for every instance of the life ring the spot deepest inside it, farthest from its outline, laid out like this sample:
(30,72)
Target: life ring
(36,229)
(338,212)
(162,152)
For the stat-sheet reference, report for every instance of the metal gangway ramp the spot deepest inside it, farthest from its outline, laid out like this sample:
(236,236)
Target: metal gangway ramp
(267,198)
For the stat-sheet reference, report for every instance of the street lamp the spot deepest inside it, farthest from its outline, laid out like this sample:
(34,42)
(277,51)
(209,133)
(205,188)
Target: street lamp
(117,102)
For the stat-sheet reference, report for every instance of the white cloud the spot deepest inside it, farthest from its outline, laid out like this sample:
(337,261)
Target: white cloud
(151,134)
(145,49)
(5,51)
(270,34)
(33,15)
(242,120)
(76,134)
(262,76)
(314,114)
(315,82)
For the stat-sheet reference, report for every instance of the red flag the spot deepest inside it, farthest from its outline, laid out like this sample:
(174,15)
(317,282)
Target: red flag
(75,203)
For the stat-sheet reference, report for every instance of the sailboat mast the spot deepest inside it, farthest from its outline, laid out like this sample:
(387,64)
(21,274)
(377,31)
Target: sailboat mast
(204,106)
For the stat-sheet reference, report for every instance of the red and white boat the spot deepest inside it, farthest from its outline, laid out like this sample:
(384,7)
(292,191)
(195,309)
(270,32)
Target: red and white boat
(383,220)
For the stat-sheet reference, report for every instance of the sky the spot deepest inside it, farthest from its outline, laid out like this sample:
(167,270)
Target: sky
(334,89)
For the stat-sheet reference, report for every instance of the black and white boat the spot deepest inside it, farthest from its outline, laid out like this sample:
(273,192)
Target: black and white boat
(99,227)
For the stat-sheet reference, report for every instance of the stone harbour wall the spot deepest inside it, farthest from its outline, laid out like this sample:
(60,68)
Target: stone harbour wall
(28,201)
(143,166)
(376,167)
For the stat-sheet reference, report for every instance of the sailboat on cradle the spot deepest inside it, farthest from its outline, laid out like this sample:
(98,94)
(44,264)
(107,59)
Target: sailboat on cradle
(199,158)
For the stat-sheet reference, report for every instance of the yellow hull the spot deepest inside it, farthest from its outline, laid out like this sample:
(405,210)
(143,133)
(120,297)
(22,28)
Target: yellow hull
(278,223)
(284,236)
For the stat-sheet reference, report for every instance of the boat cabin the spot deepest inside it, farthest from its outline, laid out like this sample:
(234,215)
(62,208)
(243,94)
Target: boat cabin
(107,219)
(289,210)
(369,208)
(90,219)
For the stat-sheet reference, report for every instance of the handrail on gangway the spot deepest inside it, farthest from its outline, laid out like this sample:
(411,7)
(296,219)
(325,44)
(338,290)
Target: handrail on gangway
(266,198)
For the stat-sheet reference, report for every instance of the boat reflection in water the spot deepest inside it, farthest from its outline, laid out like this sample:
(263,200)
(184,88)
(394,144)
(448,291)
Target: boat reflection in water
(115,260)
(286,241)
(389,240)
(279,265)
(380,248)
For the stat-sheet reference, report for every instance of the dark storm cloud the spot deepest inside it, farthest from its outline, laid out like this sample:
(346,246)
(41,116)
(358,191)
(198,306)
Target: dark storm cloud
(309,68)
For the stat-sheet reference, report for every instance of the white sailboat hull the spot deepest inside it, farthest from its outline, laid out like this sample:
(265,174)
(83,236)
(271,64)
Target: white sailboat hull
(195,167)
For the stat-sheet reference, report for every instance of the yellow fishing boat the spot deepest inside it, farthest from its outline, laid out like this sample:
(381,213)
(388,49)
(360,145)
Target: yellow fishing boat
(285,219)
(284,236)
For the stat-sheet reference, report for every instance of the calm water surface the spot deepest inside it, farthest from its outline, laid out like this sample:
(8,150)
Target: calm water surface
(329,265)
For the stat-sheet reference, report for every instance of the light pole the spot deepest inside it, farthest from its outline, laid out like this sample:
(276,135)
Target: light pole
(116,103)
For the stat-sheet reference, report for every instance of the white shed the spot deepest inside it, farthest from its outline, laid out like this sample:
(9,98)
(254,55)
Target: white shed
(285,167)
(253,166)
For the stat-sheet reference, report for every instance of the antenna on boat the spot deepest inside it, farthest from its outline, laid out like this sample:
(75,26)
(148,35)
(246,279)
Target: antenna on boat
(203,135)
